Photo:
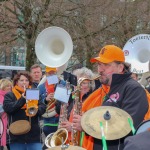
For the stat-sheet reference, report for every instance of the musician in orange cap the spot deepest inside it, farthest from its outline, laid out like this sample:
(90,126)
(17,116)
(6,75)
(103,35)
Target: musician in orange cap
(47,93)
(124,93)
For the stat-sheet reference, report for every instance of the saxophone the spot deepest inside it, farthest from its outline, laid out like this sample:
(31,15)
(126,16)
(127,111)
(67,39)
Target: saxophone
(77,110)
(64,109)
(63,113)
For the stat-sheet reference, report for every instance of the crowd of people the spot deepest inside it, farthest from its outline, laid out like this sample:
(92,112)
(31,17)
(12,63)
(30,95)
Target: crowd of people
(115,86)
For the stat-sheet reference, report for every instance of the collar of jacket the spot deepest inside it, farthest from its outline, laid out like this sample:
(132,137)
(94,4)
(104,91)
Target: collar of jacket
(119,78)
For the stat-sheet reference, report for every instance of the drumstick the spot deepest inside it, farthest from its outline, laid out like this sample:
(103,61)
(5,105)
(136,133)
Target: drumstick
(103,137)
(131,125)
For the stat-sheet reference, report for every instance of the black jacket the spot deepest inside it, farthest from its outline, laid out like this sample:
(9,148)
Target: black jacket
(34,84)
(129,95)
(12,107)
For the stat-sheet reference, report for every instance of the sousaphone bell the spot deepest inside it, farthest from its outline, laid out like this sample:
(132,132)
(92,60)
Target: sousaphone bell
(53,47)
(137,53)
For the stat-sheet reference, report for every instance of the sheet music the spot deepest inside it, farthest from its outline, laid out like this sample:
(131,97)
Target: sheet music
(53,79)
(32,94)
(62,94)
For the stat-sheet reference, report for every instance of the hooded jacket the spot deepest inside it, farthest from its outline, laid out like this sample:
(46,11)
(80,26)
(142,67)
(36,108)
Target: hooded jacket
(127,94)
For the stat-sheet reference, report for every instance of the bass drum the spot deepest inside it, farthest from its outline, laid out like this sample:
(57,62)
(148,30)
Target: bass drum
(1,127)
(144,126)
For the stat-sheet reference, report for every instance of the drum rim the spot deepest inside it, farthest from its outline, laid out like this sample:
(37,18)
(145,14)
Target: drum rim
(141,125)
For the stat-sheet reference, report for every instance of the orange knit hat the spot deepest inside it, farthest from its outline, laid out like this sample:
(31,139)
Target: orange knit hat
(48,69)
(108,54)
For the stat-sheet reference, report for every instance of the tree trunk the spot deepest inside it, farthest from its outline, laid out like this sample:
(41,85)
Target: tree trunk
(30,54)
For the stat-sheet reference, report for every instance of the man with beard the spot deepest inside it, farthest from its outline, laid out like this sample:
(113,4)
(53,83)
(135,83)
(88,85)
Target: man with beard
(124,93)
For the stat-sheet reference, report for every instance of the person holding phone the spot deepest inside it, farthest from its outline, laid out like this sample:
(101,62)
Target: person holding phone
(15,106)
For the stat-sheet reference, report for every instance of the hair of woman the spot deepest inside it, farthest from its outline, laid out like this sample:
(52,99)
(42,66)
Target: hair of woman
(24,73)
(4,83)
(86,73)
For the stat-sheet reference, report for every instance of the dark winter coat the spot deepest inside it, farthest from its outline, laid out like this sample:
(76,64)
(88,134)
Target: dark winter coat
(129,95)
(12,107)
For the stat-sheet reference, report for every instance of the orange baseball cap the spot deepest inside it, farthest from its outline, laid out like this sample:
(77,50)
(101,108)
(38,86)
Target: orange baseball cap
(48,69)
(108,54)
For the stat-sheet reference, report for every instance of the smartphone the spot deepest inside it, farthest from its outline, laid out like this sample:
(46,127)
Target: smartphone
(32,94)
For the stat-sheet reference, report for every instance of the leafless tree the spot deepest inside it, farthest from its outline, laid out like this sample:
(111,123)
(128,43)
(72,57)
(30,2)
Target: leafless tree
(91,24)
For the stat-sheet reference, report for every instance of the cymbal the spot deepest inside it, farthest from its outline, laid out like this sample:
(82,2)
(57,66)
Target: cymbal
(70,147)
(115,127)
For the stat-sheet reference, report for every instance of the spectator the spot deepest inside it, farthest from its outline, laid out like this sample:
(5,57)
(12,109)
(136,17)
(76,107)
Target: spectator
(36,74)
(5,86)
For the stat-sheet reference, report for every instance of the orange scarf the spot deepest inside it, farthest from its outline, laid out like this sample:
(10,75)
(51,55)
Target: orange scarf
(18,93)
(94,100)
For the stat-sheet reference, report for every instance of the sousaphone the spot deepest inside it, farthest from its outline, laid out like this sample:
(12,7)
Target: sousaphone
(53,48)
(137,53)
